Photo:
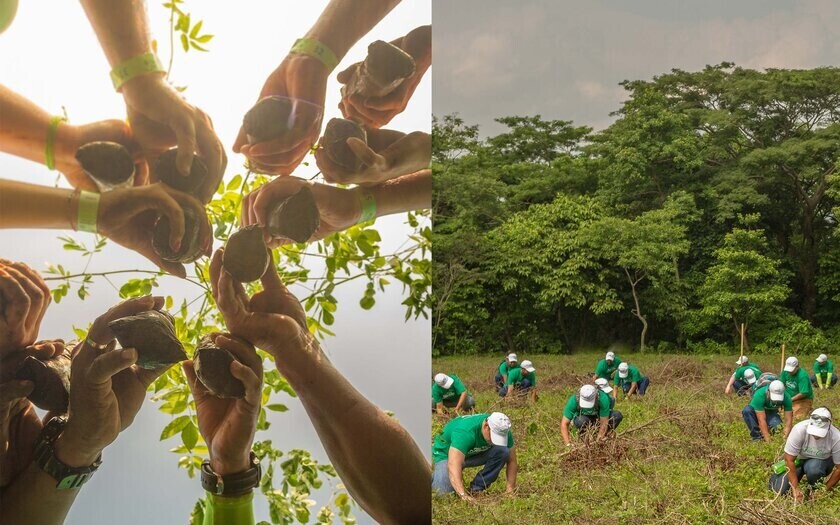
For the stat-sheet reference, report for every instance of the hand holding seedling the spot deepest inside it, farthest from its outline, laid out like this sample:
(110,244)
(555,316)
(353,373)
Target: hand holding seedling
(228,424)
(24,298)
(18,419)
(386,155)
(106,388)
(301,81)
(375,112)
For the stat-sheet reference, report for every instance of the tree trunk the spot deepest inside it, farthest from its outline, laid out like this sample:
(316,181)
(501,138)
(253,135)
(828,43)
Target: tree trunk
(808,266)
(638,311)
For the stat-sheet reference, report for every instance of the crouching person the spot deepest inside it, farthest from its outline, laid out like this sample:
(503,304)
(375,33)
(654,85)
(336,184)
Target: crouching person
(631,380)
(812,450)
(523,380)
(473,441)
(762,414)
(448,391)
(584,409)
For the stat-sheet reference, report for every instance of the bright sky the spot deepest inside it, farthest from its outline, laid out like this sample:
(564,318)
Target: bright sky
(55,60)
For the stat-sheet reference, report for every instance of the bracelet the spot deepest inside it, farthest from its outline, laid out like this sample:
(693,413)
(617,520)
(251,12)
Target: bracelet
(135,67)
(49,148)
(368,206)
(66,477)
(88,211)
(314,48)
(231,484)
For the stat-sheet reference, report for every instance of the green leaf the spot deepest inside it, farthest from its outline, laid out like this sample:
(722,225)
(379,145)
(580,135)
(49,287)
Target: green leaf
(185,43)
(174,426)
(196,28)
(189,435)
(277,407)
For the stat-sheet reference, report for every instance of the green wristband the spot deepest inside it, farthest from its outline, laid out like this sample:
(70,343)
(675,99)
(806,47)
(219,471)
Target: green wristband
(368,206)
(49,148)
(314,48)
(88,211)
(134,67)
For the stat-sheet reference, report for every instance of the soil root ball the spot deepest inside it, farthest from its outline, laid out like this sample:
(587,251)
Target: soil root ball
(336,133)
(384,69)
(51,379)
(246,256)
(152,334)
(167,172)
(268,119)
(212,366)
(295,217)
(109,164)
(190,250)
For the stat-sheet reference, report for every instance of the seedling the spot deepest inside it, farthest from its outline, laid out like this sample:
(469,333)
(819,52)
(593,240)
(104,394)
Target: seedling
(268,119)
(152,334)
(212,366)
(109,164)
(296,217)
(190,250)
(246,256)
(334,142)
(384,69)
(52,381)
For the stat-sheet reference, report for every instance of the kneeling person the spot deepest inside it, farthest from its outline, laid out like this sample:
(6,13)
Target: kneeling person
(738,381)
(509,363)
(586,407)
(823,376)
(604,386)
(473,441)
(762,414)
(812,450)
(798,385)
(630,380)
(523,379)
(448,391)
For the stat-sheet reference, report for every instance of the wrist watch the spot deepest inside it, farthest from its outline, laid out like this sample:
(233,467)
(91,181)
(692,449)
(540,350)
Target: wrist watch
(231,484)
(66,477)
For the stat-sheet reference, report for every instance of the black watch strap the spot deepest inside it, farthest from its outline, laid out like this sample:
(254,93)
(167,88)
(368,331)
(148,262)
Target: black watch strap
(66,477)
(232,484)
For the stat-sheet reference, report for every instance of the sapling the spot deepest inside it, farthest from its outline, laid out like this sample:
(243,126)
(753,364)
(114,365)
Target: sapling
(52,381)
(212,366)
(109,164)
(152,334)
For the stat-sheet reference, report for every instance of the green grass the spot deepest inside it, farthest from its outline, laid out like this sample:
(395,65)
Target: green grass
(682,455)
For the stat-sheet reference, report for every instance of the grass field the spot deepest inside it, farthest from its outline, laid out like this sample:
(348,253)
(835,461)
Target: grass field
(682,454)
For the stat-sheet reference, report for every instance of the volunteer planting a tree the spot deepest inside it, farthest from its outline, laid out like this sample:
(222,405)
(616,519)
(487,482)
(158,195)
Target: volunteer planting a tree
(737,381)
(751,381)
(798,386)
(508,364)
(604,386)
(607,367)
(823,376)
(630,380)
(762,414)
(346,422)
(522,380)
(448,391)
(586,407)
(473,441)
(812,450)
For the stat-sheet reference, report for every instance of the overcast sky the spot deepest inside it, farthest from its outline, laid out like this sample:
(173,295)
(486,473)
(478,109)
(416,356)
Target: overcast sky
(54,59)
(564,59)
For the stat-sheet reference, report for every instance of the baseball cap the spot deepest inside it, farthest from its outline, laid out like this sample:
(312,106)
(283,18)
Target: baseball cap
(499,427)
(822,358)
(791,364)
(623,370)
(742,360)
(512,357)
(588,393)
(604,385)
(749,375)
(444,381)
(819,423)
(610,356)
(777,390)
(527,365)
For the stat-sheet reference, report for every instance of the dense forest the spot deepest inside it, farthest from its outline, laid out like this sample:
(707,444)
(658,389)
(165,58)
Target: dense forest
(710,202)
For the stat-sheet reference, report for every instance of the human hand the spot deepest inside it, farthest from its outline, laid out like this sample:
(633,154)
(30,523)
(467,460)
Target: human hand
(387,155)
(466,496)
(24,297)
(375,112)
(228,424)
(70,138)
(127,216)
(339,208)
(19,429)
(160,119)
(300,78)
(798,496)
(106,388)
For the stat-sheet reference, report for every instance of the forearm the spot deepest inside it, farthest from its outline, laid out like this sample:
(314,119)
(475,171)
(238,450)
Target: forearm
(602,429)
(456,477)
(461,401)
(121,27)
(729,384)
(833,479)
(34,498)
(762,425)
(406,193)
(344,22)
(25,205)
(791,472)
(797,397)
(511,469)
(24,127)
(788,423)
(564,431)
(347,423)
(439,408)
(632,389)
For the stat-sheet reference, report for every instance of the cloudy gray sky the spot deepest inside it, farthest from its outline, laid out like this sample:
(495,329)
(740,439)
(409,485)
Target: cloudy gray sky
(564,59)
(55,60)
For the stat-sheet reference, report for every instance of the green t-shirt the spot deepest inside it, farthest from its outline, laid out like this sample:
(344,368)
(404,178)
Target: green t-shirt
(824,368)
(739,372)
(601,408)
(633,376)
(798,383)
(518,374)
(605,370)
(761,402)
(504,368)
(439,393)
(464,434)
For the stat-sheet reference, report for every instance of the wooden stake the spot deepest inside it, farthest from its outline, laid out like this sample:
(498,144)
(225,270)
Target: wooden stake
(782,368)
(742,339)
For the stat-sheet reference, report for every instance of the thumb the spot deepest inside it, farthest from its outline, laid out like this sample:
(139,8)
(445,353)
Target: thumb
(365,154)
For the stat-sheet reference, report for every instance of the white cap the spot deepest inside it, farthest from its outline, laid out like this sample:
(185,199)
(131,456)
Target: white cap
(604,385)
(499,427)
(742,360)
(749,375)
(588,395)
(777,390)
(512,357)
(822,358)
(623,370)
(444,381)
(791,364)
(527,365)
(610,356)
(815,426)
